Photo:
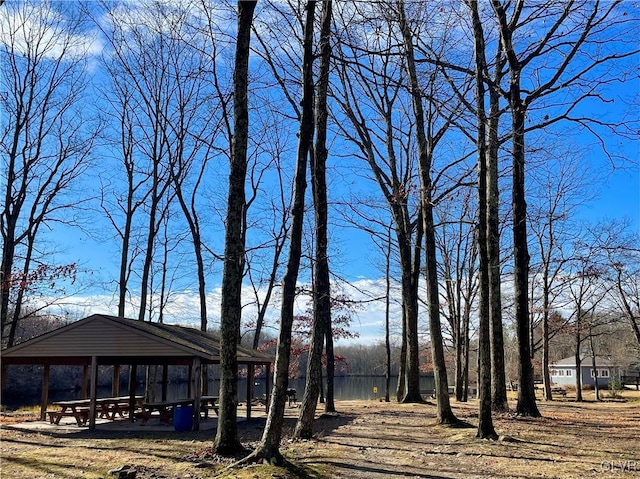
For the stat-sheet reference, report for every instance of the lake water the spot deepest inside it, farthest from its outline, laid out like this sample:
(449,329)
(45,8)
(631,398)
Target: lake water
(346,388)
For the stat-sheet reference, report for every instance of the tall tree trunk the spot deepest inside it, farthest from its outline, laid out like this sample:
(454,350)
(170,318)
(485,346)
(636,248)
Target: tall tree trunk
(269,447)
(526,405)
(226,441)
(124,254)
(466,319)
(596,385)
(402,364)
(498,375)
(465,364)
(322,290)
(526,393)
(126,145)
(546,379)
(578,358)
(387,307)
(194,229)
(485,421)
(10,218)
(330,403)
(444,412)
(409,380)
(151,233)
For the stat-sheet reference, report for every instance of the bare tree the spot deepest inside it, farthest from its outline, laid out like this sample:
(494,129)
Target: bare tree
(426,144)
(577,29)
(485,421)
(322,286)
(457,244)
(557,188)
(586,291)
(619,245)
(226,441)
(371,98)
(269,447)
(47,139)
(161,118)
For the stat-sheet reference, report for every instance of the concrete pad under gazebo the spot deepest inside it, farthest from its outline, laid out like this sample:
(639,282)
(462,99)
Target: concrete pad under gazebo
(114,341)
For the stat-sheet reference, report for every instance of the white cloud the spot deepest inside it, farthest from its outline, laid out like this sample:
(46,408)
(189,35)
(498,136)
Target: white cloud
(184,307)
(42,32)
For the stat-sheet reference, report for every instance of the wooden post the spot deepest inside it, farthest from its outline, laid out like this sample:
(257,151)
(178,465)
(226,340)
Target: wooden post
(45,392)
(3,377)
(115,384)
(268,387)
(198,396)
(165,381)
(205,379)
(132,391)
(94,392)
(85,380)
(250,370)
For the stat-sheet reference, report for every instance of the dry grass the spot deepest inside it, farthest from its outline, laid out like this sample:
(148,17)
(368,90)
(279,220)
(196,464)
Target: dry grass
(367,440)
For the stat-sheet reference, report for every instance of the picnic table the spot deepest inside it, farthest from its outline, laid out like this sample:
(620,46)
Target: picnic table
(208,402)
(554,389)
(110,407)
(79,409)
(164,409)
(559,390)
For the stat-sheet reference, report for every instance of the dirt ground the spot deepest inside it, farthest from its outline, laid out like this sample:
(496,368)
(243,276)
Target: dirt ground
(367,439)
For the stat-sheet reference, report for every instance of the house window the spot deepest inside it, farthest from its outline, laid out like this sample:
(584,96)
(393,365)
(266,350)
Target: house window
(569,372)
(604,373)
(554,372)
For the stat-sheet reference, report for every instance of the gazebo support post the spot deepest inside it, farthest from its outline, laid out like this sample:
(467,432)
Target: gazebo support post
(85,380)
(250,370)
(198,396)
(115,383)
(132,391)
(3,377)
(93,393)
(268,386)
(45,391)
(165,381)
(205,378)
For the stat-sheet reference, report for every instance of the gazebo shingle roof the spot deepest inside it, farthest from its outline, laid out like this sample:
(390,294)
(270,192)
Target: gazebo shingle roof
(113,339)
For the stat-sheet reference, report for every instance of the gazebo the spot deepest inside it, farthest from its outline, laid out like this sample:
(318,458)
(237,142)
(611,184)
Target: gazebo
(115,341)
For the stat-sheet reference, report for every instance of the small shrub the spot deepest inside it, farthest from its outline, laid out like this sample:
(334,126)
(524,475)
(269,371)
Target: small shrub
(615,387)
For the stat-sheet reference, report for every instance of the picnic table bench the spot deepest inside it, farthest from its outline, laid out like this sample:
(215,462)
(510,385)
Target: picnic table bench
(559,390)
(78,409)
(209,402)
(164,409)
(428,393)
(554,389)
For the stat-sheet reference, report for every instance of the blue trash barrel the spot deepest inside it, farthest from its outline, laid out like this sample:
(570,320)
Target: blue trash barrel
(183,418)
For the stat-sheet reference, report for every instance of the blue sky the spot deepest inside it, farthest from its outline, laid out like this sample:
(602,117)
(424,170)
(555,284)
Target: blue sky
(618,195)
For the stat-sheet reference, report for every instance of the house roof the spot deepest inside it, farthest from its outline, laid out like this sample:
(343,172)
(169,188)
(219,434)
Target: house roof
(585,361)
(116,340)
